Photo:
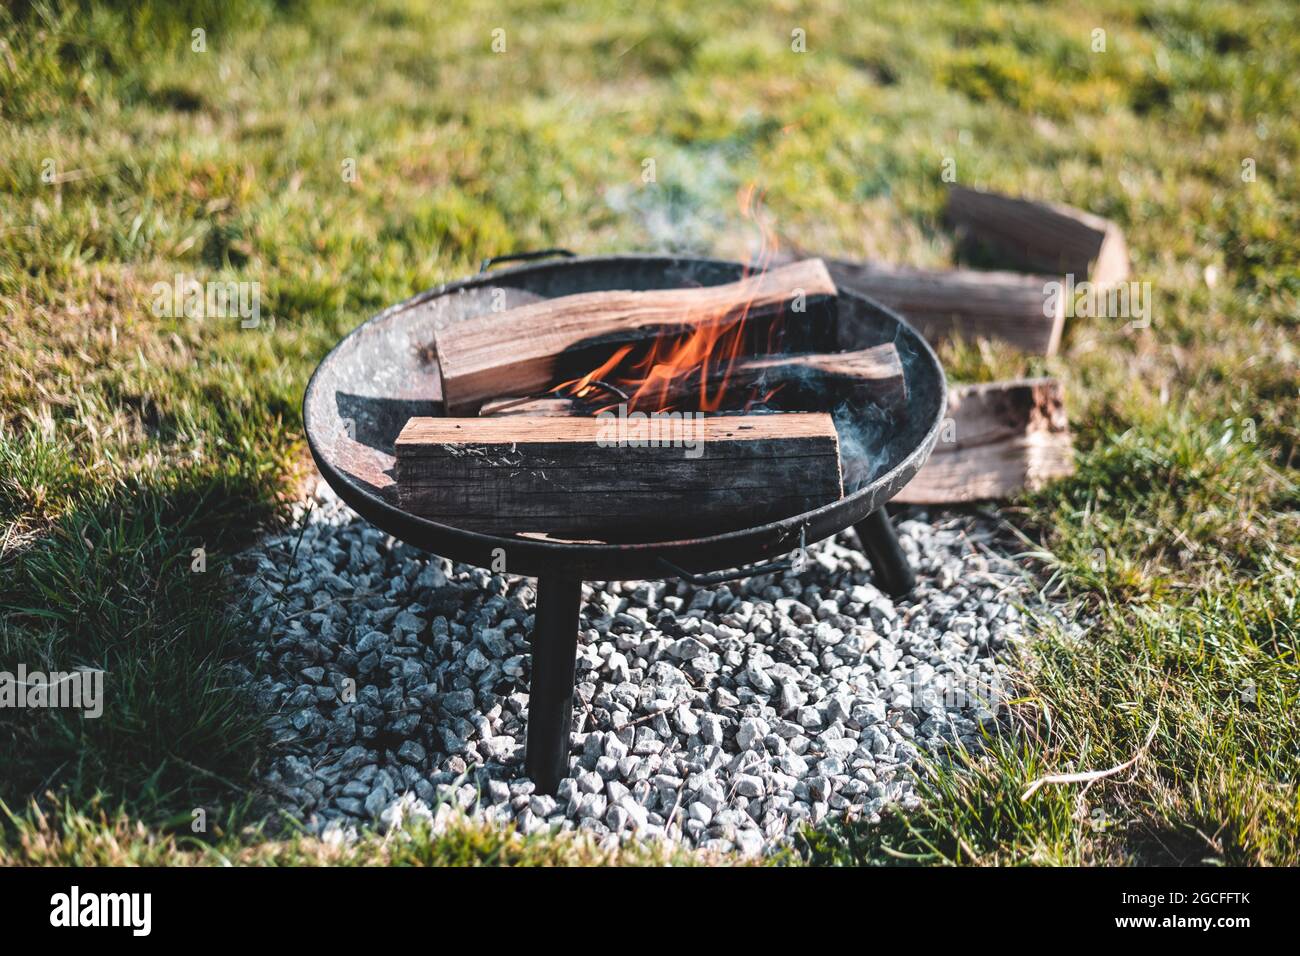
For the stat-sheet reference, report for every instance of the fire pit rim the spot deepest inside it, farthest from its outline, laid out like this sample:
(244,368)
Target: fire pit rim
(621,561)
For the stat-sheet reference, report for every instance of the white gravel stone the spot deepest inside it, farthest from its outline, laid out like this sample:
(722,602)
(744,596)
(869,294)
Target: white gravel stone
(752,729)
(740,710)
(618,667)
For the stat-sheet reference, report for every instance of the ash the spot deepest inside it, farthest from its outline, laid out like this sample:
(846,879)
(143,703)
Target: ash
(396,685)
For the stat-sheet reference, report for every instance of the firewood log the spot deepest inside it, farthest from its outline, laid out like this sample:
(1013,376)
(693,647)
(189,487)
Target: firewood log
(1001,438)
(546,405)
(798,382)
(1006,306)
(1043,237)
(612,478)
(524,351)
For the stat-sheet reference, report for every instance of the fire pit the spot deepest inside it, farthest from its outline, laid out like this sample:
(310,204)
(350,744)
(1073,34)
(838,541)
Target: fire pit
(383,373)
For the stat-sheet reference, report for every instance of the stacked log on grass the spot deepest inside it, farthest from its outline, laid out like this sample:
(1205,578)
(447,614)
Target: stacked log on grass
(1000,439)
(1043,242)
(1041,237)
(1007,306)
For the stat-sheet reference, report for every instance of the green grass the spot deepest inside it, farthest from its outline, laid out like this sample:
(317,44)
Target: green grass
(70,836)
(128,439)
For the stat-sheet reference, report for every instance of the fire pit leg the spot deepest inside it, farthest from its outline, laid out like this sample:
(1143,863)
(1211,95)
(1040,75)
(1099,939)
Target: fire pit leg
(550,696)
(894,574)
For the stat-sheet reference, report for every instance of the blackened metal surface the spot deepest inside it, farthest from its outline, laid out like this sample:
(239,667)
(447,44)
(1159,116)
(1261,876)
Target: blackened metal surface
(384,372)
(894,574)
(550,693)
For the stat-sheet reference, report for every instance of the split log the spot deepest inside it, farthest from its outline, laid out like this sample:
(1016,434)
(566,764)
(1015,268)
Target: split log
(617,479)
(528,349)
(800,382)
(546,406)
(1008,306)
(1043,237)
(1000,439)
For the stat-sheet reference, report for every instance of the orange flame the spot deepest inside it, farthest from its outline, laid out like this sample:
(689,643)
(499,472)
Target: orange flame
(581,387)
(656,380)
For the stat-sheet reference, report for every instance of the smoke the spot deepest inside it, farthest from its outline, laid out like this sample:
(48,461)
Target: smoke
(864,433)
(687,209)
(869,435)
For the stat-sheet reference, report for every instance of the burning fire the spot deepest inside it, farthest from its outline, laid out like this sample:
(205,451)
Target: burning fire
(702,359)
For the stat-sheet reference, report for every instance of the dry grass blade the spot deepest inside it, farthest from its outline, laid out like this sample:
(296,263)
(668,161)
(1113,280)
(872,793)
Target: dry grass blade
(1089,776)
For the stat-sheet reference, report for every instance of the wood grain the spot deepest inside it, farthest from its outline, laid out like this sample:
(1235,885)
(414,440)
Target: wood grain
(875,372)
(1043,237)
(805,381)
(522,351)
(1006,306)
(1002,438)
(547,406)
(562,477)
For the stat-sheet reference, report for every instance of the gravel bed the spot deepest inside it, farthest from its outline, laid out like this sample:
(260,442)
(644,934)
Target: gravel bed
(720,717)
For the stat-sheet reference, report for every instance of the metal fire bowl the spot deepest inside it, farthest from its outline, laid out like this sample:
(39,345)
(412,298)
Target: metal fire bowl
(383,372)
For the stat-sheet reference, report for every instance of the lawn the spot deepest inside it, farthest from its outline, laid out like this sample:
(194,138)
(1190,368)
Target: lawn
(346,156)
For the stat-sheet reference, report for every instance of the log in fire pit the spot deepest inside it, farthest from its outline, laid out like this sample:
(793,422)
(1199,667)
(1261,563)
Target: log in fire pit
(386,373)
